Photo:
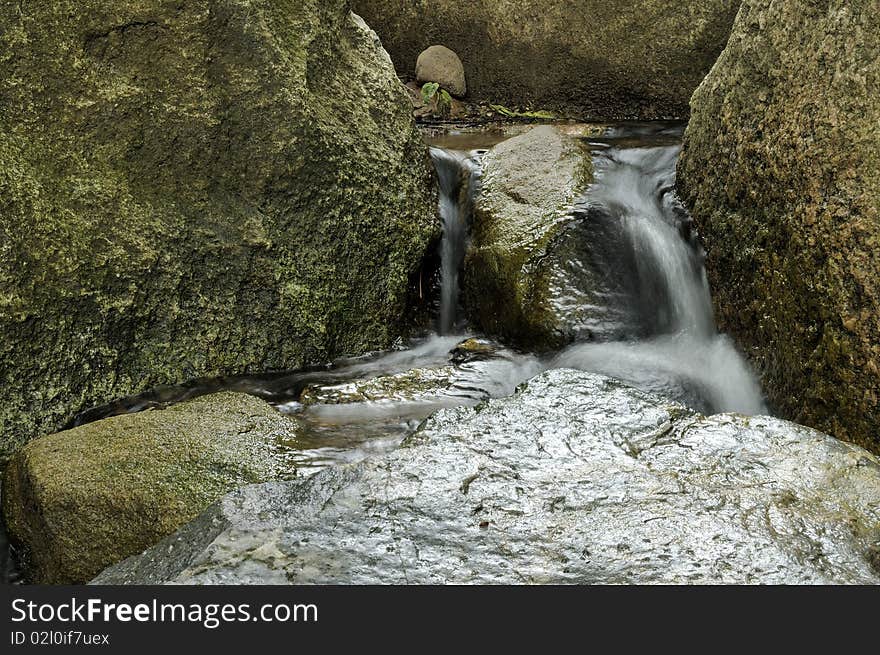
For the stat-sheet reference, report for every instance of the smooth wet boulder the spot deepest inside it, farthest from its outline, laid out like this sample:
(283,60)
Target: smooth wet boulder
(441,65)
(196,189)
(781,169)
(517,281)
(79,500)
(587,58)
(576,479)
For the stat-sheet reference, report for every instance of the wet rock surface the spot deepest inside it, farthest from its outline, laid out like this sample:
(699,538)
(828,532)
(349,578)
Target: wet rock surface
(79,500)
(196,189)
(519,255)
(575,479)
(367,409)
(781,171)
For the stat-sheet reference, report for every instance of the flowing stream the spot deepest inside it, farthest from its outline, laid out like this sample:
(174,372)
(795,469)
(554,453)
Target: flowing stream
(652,325)
(664,337)
(458,175)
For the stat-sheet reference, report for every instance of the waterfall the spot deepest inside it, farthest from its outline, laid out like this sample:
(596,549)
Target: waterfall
(458,174)
(634,192)
(643,243)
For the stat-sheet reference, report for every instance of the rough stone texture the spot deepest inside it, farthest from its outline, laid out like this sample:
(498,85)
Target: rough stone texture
(77,501)
(192,189)
(528,187)
(589,58)
(441,65)
(576,479)
(781,168)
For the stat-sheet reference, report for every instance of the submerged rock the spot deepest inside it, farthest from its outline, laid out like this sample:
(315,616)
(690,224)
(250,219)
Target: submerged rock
(474,370)
(517,268)
(441,65)
(77,501)
(471,350)
(576,479)
(781,171)
(411,385)
(582,57)
(196,189)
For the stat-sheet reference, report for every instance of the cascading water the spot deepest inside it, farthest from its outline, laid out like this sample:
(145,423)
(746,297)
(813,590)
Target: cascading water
(649,321)
(458,174)
(643,243)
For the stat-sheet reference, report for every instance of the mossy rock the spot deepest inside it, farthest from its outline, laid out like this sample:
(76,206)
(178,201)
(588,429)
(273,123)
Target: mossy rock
(512,275)
(781,170)
(196,189)
(78,501)
(585,58)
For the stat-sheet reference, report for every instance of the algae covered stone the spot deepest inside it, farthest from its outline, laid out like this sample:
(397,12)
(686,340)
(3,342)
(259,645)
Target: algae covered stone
(781,170)
(586,58)
(528,187)
(79,500)
(196,189)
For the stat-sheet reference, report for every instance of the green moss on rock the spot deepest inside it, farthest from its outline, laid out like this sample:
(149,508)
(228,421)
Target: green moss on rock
(528,187)
(588,58)
(781,169)
(196,189)
(77,501)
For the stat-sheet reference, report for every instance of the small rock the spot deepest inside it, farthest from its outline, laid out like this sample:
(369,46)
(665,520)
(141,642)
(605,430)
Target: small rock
(441,65)
(472,350)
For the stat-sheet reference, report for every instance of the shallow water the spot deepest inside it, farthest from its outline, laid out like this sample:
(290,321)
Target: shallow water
(368,408)
(651,327)
(654,328)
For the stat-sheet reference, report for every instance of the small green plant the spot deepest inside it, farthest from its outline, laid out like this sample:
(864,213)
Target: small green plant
(429,90)
(531,115)
(438,100)
(444,103)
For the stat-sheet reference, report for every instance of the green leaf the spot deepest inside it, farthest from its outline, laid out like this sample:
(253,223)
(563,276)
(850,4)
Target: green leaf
(504,111)
(444,104)
(428,91)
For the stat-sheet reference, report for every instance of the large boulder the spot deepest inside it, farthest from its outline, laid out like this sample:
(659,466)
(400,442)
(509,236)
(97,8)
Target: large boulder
(195,189)
(583,57)
(781,169)
(77,501)
(516,270)
(576,479)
